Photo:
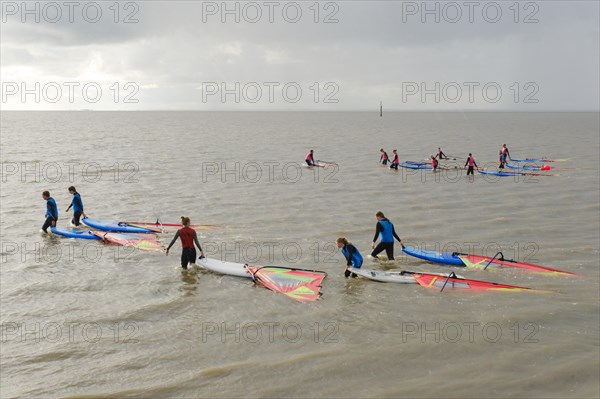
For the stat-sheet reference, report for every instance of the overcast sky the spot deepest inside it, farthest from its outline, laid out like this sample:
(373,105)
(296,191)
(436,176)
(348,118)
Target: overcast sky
(305,55)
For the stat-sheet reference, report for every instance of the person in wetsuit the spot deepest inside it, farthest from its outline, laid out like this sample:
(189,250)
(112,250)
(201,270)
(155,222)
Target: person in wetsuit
(310,159)
(384,230)
(434,163)
(188,238)
(384,157)
(51,211)
(352,255)
(471,164)
(440,154)
(396,161)
(77,205)
(504,153)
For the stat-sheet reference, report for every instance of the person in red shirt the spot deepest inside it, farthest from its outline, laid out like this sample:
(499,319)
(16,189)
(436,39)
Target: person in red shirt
(310,158)
(470,164)
(395,161)
(434,163)
(384,157)
(188,238)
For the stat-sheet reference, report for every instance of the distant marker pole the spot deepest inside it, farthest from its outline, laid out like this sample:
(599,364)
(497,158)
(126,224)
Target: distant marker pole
(380,108)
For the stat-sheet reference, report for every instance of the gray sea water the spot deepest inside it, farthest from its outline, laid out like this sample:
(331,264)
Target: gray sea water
(82,318)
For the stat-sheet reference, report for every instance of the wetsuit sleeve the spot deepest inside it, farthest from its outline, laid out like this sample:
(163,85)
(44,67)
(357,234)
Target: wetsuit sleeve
(196,241)
(71,204)
(378,230)
(467,162)
(396,235)
(173,240)
(475,164)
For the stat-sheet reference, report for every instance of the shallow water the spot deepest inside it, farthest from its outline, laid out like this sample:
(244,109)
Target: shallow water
(82,318)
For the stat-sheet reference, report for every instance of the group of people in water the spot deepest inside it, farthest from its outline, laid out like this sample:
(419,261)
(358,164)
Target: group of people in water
(470,164)
(384,230)
(186,234)
(52,209)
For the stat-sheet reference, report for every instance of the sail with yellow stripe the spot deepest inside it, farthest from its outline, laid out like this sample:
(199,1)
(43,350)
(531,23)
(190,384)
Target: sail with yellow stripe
(299,284)
(145,242)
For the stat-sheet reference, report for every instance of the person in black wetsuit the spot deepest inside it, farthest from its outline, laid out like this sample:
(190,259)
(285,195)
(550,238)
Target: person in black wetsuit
(386,232)
(440,154)
(51,211)
(77,205)
(188,238)
(352,255)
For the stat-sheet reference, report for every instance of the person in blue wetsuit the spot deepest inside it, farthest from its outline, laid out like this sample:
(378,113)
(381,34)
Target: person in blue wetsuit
(51,211)
(386,233)
(77,205)
(352,255)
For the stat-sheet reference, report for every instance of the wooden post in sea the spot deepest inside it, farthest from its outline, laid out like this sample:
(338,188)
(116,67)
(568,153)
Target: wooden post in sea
(380,108)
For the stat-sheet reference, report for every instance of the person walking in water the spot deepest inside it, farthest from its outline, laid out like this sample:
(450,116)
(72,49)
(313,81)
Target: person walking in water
(395,161)
(51,211)
(188,238)
(352,255)
(471,165)
(77,206)
(504,153)
(384,157)
(434,163)
(384,230)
